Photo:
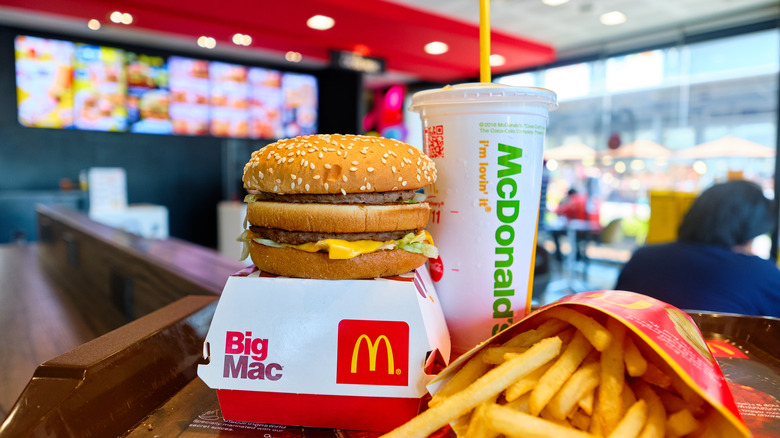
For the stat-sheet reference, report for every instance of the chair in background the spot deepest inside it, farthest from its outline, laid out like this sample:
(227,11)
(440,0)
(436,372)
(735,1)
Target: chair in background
(542,275)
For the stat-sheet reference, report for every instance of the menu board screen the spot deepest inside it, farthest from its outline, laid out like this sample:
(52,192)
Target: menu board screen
(229,100)
(62,84)
(44,82)
(99,88)
(299,109)
(265,103)
(189,107)
(148,94)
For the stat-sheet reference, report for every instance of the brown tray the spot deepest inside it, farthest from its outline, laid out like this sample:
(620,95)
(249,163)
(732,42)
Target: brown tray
(140,381)
(747,349)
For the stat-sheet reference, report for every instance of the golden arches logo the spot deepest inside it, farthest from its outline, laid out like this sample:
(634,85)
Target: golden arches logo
(373,348)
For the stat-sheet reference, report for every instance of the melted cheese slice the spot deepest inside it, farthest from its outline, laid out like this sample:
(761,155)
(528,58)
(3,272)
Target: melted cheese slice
(342,249)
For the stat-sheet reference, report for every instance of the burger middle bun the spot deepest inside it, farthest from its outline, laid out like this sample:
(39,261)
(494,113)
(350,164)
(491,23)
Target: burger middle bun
(338,218)
(289,262)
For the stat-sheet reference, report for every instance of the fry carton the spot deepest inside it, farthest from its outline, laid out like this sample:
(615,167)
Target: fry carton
(605,363)
(344,354)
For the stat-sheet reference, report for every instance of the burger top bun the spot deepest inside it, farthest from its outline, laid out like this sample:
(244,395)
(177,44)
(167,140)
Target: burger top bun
(325,164)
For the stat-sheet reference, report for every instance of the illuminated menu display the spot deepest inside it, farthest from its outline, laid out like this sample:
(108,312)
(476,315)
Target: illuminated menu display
(189,95)
(299,107)
(61,84)
(148,94)
(265,103)
(44,82)
(229,99)
(99,88)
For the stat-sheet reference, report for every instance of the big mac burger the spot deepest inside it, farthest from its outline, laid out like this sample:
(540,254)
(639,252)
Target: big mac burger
(338,207)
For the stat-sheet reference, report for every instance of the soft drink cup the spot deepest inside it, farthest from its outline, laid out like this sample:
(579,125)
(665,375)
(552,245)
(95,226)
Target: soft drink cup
(487,141)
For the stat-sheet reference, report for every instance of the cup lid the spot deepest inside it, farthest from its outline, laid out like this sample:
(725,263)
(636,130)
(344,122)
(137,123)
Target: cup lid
(480,92)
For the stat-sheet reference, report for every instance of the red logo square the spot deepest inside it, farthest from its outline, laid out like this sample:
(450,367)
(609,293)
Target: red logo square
(373,353)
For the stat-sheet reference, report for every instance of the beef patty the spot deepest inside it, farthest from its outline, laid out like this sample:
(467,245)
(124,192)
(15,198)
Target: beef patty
(338,198)
(300,237)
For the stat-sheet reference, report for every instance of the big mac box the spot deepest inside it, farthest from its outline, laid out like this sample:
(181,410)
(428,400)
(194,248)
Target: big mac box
(337,325)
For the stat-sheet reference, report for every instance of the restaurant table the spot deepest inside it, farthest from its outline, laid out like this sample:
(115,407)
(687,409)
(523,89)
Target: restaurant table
(572,228)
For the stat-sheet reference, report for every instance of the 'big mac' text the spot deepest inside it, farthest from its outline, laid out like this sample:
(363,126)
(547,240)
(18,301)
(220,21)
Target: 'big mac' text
(239,348)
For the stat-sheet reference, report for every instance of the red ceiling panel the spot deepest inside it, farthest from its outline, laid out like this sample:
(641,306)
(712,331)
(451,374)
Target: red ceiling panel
(389,31)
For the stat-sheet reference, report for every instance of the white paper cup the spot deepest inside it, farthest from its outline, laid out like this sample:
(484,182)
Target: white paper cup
(487,141)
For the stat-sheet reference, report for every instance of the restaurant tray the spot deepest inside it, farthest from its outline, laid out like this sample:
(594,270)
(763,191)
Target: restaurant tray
(746,348)
(109,388)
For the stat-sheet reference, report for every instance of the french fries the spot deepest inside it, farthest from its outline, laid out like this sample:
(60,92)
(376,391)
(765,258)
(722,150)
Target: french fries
(574,376)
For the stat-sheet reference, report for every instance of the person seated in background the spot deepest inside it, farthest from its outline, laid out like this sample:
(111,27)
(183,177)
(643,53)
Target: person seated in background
(710,267)
(575,206)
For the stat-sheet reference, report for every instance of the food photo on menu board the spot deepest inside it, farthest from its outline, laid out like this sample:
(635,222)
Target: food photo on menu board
(99,88)
(189,102)
(44,82)
(265,103)
(299,111)
(229,99)
(148,94)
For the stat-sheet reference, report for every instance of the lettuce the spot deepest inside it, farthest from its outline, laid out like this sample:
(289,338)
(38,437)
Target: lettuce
(418,244)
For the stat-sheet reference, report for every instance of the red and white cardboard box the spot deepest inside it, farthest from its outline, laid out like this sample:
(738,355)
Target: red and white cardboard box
(345,354)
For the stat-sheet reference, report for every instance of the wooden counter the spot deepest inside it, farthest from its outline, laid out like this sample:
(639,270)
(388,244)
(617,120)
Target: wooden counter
(120,275)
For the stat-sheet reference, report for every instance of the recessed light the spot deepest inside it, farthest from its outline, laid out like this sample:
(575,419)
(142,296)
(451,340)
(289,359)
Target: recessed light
(93,24)
(293,56)
(554,2)
(207,42)
(240,39)
(613,18)
(121,18)
(320,22)
(436,48)
(497,60)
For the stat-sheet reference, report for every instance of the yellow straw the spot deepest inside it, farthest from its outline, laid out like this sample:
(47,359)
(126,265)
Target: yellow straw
(484,41)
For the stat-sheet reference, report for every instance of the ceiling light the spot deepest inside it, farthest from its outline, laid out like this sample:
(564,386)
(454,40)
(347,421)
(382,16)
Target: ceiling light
(293,56)
(436,48)
(121,18)
(240,39)
(320,22)
(497,60)
(93,24)
(554,2)
(613,18)
(207,42)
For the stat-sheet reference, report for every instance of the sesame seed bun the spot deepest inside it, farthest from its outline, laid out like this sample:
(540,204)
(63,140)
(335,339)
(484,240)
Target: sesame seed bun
(321,164)
(334,218)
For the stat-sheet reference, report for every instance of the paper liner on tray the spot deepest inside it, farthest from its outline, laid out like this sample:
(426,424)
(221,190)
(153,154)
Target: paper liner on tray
(668,333)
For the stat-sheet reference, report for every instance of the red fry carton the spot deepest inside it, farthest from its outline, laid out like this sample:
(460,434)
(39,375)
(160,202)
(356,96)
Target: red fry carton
(345,354)
(669,336)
